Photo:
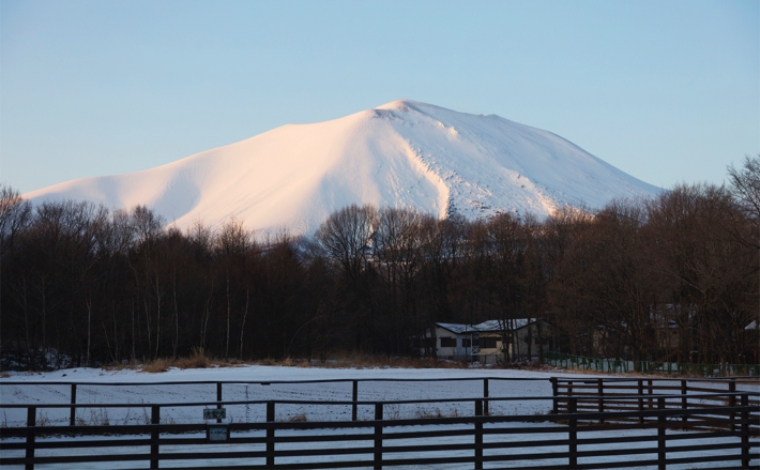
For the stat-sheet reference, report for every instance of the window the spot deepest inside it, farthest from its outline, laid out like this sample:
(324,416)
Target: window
(488,343)
(448,342)
(467,343)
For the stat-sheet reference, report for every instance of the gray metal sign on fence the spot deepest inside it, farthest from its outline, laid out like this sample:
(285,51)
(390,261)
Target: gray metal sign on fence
(217,433)
(215,413)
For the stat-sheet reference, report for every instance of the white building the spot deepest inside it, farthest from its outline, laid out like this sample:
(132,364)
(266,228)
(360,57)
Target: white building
(485,342)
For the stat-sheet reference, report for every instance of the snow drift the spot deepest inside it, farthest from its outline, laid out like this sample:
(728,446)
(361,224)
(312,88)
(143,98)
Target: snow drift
(404,154)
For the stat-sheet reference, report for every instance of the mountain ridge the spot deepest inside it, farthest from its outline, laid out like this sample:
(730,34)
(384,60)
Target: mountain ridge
(404,154)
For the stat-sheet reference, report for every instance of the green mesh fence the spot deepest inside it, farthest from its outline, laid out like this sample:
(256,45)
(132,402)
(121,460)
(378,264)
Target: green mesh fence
(650,367)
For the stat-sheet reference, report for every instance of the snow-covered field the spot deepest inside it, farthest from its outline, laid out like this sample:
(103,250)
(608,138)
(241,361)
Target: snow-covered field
(166,389)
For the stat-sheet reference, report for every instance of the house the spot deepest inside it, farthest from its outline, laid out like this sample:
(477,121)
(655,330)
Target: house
(663,329)
(484,342)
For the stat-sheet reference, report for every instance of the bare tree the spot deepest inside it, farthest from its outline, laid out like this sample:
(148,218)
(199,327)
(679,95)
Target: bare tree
(704,271)
(233,242)
(745,185)
(346,237)
(15,213)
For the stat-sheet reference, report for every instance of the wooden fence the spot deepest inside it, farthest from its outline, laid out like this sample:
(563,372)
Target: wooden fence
(613,390)
(554,440)
(605,386)
(219,386)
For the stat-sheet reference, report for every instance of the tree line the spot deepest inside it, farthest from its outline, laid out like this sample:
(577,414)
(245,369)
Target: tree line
(82,285)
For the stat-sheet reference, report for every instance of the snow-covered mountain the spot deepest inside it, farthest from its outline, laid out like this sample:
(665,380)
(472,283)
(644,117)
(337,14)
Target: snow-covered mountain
(403,154)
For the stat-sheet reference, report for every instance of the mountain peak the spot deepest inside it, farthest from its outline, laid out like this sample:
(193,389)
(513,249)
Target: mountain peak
(399,105)
(417,156)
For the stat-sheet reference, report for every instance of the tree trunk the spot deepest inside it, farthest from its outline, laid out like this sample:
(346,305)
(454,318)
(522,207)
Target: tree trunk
(242,324)
(89,331)
(176,319)
(158,318)
(132,356)
(227,344)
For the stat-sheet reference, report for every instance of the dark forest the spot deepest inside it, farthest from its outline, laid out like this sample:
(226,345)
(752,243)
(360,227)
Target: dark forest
(82,285)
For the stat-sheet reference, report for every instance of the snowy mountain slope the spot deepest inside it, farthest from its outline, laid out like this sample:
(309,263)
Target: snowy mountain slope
(402,154)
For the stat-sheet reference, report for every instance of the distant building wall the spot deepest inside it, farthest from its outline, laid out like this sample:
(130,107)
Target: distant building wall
(464,343)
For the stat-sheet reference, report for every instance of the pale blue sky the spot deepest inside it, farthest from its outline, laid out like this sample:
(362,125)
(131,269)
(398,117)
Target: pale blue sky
(668,91)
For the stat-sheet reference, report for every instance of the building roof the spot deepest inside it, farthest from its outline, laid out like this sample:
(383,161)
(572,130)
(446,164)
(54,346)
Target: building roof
(485,327)
(495,325)
(457,328)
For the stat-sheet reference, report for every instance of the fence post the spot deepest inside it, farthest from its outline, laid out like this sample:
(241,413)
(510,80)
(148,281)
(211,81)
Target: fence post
(745,431)
(354,399)
(684,400)
(270,434)
(651,391)
(661,434)
(600,390)
(155,420)
(555,393)
(378,436)
(73,416)
(573,431)
(31,421)
(641,401)
(219,398)
(732,403)
(478,435)
(485,395)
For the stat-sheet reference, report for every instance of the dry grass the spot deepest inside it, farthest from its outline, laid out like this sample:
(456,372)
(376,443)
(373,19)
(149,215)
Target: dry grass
(437,413)
(360,361)
(300,418)
(156,366)
(199,360)
(43,420)
(266,362)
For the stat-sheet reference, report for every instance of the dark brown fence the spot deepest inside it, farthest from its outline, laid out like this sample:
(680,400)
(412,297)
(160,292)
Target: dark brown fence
(220,385)
(561,386)
(612,389)
(567,439)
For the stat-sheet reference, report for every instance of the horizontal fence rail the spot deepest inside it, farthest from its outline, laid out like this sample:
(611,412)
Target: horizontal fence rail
(611,396)
(658,422)
(382,442)
(220,386)
(660,384)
